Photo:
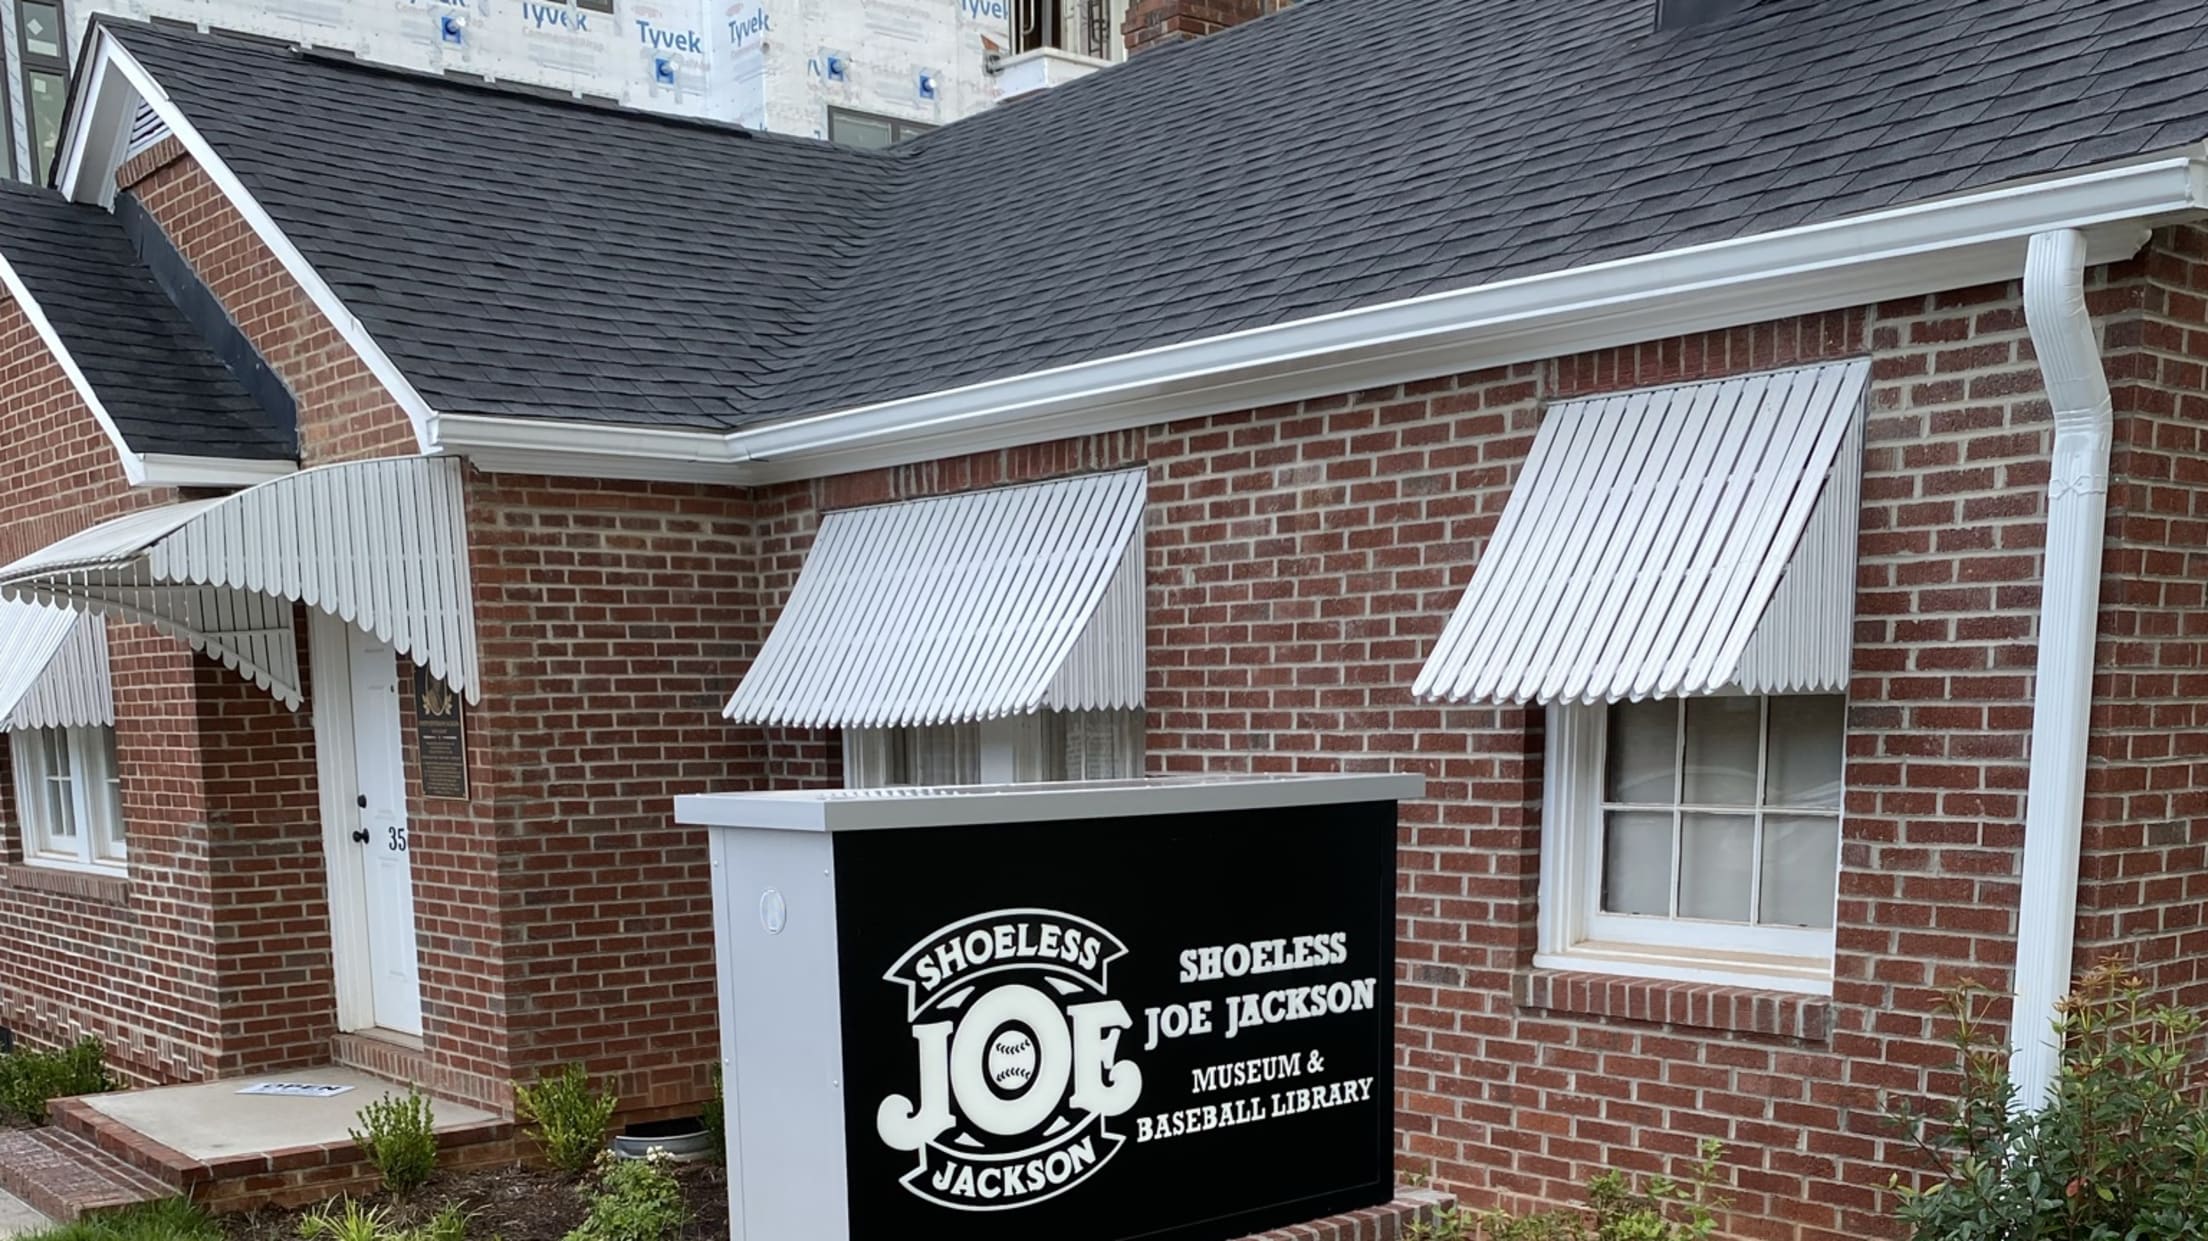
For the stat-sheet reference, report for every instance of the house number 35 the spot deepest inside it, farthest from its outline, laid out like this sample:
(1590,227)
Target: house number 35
(398,839)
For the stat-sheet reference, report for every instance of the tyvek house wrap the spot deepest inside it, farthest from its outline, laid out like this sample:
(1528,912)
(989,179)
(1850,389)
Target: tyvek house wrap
(777,66)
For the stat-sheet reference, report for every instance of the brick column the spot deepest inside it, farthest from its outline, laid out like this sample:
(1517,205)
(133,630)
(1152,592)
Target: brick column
(1154,23)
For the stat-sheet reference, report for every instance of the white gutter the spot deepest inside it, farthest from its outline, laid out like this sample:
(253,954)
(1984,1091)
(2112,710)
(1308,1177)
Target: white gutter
(1966,240)
(2062,695)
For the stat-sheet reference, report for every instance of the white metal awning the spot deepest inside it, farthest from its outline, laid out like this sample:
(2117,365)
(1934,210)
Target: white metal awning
(380,544)
(1671,541)
(966,607)
(53,668)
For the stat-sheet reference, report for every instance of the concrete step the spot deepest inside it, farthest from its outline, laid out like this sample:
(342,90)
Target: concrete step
(62,1177)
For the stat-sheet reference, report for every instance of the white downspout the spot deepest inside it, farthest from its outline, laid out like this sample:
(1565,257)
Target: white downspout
(2062,696)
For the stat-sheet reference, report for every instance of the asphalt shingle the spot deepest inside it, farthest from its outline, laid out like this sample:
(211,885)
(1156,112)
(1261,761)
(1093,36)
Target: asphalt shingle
(155,376)
(540,258)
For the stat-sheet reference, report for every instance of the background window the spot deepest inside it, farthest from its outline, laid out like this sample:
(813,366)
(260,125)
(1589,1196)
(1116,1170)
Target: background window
(864,129)
(42,49)
(1089,27)
(68,796)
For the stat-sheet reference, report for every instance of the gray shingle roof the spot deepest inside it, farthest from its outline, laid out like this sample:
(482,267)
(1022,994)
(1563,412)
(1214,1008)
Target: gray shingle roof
(532,257)
(165,389)
(537,258)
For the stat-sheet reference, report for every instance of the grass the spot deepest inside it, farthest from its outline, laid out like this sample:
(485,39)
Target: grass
(171,1219)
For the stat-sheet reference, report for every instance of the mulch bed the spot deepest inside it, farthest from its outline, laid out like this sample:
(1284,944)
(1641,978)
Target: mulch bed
(510,1204)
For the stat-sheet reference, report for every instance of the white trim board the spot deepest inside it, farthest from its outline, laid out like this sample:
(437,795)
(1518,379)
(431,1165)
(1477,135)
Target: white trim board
(838,810)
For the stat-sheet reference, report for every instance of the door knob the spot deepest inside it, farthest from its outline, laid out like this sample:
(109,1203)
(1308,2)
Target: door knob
(360,835)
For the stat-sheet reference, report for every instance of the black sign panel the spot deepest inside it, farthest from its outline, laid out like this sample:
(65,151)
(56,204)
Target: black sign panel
(440,737)
(1176,1028)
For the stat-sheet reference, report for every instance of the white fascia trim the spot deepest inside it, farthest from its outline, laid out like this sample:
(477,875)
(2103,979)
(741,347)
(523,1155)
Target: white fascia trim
(591,450)
(134,466)
(164,469)
(94,133)
(1957,242)
(112,55)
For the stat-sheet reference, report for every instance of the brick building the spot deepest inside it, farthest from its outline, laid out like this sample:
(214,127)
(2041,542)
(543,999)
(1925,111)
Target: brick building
(1752,467)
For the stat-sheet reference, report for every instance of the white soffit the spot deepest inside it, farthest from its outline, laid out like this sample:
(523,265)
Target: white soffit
(965,607)
(1643,550)
(53,668)
(379,544)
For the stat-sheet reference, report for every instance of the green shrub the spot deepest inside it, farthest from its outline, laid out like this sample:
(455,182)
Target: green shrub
(398,1133)
(171,1219)
(1664,1210)
(2118,1152)
(567,1119)
(29,1080)
(637,1200)
(713,1116)
(347,1220)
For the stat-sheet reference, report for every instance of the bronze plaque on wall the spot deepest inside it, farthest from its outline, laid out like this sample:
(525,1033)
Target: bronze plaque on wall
(440,737)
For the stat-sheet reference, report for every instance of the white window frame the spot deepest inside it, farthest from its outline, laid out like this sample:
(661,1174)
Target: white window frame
(1020,749)
(95,800)
(1574,932)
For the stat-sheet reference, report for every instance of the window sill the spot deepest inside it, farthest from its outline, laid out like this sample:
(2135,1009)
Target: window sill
(106,887)
(1583,990)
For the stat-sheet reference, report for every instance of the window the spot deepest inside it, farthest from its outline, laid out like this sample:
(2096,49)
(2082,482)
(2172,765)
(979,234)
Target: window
(1048,745)
(864,129)
(1697,836)
(1087,27)
(44,54)
(67,796)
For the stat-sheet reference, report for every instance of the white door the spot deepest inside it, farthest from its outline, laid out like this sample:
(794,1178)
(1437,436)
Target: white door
(387,869)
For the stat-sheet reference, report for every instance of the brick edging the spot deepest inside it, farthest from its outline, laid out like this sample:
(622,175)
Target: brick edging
(1703,1006)
(286,1176)
(1388,1222)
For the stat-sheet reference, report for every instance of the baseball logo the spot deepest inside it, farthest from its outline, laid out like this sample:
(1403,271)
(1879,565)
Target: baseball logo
(1011,1063)
(1019,1066)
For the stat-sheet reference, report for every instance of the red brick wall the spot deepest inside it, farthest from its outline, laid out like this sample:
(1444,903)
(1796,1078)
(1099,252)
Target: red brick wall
(1155,23)
(2144,891)
(1301,560)
(613,619)
(268,884)
(132,962)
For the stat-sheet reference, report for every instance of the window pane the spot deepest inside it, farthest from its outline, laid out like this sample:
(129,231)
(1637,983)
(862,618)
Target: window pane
(859,131)
(1801,864)
(1716,852)
(41,29)
(1641,751)
(61,805)
(107,795)
(47,94)
(1636,862)
(1721,751)
(1805,752)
